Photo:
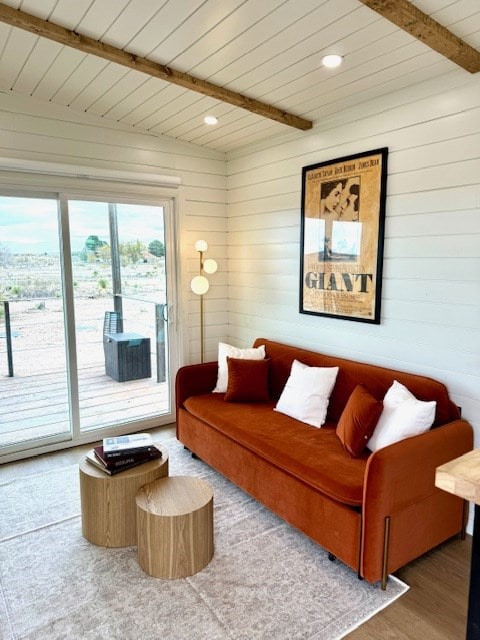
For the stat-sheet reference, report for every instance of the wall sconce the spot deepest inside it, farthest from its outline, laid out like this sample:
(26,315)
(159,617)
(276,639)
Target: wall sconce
(200,285)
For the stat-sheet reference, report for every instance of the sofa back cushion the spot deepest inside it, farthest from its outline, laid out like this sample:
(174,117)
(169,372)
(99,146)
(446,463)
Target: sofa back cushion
(351,373)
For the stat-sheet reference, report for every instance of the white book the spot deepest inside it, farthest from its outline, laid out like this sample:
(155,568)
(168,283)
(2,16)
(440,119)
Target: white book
(124,443)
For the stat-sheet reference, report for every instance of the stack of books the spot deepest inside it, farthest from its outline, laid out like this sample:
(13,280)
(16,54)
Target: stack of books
(123,452)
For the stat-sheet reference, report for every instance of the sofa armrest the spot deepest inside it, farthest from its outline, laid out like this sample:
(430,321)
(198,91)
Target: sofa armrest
(400,479)
(404,472)
(194,379)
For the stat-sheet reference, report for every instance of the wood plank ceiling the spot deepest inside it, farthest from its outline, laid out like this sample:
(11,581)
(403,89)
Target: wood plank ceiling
(267,51)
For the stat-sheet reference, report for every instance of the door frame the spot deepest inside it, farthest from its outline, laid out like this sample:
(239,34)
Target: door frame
(105,191)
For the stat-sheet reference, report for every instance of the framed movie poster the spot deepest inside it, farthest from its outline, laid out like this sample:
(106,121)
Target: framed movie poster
(342,231)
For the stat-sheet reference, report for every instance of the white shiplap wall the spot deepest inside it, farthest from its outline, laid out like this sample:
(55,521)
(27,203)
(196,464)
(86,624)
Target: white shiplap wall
(430,320)
(40,132)
(431,302)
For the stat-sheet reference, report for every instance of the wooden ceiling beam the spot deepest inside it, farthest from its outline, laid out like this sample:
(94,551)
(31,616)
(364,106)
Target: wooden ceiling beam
(52,31)
(407,16)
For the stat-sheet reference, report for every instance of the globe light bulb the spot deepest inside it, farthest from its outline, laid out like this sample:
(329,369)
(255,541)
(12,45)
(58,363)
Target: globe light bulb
(201,245)
(199,285)
(210,266)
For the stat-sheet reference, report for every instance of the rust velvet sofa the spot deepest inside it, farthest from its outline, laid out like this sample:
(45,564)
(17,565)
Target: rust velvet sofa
(376,511)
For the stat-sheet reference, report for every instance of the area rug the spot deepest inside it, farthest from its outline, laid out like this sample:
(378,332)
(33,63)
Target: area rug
(266,580)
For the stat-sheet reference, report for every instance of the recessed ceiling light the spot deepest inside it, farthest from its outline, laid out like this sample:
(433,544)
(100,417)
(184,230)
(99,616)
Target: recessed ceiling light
(332,61)
(210,120)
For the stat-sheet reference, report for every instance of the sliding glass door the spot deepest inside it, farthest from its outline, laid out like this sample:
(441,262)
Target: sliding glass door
(118,265)
(33,366)
(84,340)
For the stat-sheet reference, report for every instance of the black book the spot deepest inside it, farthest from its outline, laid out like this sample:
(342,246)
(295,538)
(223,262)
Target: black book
(127,459)
(94,460)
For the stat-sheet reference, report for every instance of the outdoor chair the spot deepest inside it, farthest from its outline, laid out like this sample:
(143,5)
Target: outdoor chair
(113,323)
(127,355)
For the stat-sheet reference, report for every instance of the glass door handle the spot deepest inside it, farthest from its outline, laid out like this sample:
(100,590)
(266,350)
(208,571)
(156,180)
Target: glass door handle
(167,313)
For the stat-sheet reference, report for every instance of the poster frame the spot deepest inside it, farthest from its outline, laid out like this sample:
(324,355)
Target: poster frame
(334,284)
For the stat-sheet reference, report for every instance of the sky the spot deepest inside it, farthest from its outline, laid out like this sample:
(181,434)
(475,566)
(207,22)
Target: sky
(29,225)
(346,236)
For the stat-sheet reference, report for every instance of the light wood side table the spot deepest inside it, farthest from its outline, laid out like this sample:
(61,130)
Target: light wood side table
(175,526)
(462,478)
(108,501)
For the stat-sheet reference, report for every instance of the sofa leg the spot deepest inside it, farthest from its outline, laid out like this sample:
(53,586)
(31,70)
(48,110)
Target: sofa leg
(194,455)
(359,570)
(386,538)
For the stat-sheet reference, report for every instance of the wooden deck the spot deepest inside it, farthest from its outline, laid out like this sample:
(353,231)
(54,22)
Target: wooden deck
(37,405)
(34,402)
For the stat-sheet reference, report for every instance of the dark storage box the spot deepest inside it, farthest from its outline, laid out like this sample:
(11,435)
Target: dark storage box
(127,356)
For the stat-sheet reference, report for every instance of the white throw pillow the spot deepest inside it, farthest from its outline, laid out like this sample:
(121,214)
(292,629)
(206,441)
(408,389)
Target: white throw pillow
(403,416)
(307,392)
(228,351)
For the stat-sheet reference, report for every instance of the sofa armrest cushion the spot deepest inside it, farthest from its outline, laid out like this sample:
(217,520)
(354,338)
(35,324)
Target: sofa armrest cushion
(358,420)
(194,379)
(247,380)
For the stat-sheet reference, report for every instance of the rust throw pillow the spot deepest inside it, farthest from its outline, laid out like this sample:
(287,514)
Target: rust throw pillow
(247,380)
(358,420)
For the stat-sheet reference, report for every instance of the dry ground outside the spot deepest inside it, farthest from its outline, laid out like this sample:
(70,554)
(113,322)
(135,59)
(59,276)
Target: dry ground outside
(36,311)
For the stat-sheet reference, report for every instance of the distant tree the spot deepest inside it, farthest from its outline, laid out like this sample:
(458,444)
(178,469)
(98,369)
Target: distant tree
(132,251)
(156,248)
(95,250)
(93,243)
(104,253)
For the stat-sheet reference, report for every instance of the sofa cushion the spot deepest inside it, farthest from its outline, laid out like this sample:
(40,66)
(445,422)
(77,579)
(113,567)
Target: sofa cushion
(358,420)
(315,456)
(403,416)
(307,392)
(247,380)
(227,350)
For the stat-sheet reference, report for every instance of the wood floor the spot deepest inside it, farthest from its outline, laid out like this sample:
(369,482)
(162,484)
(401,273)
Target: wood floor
(435,607)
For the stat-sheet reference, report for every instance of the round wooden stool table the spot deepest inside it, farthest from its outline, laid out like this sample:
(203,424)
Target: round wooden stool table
(175,526)
(108,501)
